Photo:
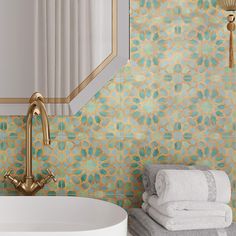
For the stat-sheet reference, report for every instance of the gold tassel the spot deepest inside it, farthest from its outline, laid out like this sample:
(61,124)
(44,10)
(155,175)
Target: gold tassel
(231,27)
(231,51)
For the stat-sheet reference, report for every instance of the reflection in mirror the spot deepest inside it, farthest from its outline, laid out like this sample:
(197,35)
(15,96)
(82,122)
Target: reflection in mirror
(60,48)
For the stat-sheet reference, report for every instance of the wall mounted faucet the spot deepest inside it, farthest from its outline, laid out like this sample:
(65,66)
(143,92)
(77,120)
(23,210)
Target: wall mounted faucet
(29,186)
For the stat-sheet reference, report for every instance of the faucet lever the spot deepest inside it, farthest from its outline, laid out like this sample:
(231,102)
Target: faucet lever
(12,179)
(51,175)
(7,174)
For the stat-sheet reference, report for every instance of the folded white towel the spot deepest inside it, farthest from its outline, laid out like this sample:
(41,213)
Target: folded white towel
(192,185)
(187,208)
(188,222)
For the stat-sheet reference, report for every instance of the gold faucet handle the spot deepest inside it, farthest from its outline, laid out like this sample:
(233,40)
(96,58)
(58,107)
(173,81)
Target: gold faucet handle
(8,173)
(51,175)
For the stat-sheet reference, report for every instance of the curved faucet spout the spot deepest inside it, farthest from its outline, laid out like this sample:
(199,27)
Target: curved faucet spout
(36,107)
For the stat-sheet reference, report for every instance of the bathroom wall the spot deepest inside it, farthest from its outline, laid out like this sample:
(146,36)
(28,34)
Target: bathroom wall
(173,103)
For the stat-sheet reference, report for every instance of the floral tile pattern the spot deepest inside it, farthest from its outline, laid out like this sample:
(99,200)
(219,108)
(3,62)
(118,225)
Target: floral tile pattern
(174,102)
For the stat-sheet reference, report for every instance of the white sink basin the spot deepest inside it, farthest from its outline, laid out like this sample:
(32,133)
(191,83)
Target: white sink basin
(67,216)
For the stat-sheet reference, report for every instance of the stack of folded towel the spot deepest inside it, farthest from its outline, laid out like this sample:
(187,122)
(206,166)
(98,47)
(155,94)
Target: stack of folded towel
(182,198)
(140,224)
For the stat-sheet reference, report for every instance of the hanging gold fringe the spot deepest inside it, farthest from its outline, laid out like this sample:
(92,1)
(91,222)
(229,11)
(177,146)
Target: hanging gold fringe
(231,27)
(231,51)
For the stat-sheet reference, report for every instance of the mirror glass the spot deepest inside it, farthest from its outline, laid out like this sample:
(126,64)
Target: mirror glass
(55,47)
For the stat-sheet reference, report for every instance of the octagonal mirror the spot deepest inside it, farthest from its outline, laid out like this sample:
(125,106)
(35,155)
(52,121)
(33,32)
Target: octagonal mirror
(65,49)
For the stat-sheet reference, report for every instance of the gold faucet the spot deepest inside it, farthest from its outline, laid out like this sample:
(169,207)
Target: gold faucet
(29,186)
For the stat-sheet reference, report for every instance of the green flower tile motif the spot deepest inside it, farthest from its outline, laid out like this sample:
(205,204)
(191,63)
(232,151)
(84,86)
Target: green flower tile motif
(178,76)
(153,105)
(152,50)
(178,137)
(208,109)
(178,14)
(207,48)
(90,167)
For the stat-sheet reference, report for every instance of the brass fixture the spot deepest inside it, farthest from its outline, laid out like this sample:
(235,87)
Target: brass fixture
(230,5)
(29,186)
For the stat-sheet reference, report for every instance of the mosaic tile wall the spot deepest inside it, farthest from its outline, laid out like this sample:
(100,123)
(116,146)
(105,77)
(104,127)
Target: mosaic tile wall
(173,103)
